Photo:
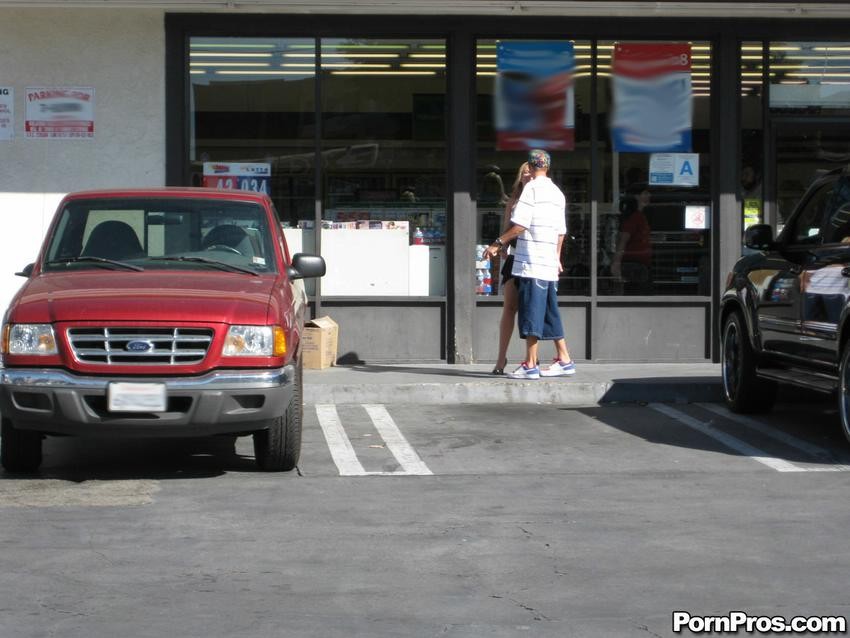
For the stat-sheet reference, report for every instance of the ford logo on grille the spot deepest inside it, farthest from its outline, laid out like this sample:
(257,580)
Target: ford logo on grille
(139,346)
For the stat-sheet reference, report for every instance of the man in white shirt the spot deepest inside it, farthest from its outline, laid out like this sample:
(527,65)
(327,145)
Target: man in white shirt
(539,224)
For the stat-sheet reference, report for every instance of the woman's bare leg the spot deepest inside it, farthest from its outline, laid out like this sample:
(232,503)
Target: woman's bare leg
(506,324)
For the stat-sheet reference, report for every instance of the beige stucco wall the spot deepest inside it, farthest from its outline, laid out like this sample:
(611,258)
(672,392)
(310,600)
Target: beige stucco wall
(121,54)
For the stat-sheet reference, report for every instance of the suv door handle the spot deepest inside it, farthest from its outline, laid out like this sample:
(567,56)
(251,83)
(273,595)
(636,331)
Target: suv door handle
(845,272)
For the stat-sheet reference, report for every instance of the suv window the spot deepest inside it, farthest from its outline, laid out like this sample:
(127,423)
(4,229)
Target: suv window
(808,225)
(837,229)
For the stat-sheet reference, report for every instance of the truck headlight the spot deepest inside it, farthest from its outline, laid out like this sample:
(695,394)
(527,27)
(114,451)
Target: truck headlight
(254,341)
(30,338)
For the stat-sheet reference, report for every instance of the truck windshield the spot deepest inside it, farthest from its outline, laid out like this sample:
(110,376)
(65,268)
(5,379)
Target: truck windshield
(155,233)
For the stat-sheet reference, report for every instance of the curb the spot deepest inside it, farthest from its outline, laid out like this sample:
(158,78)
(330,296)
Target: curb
(567,393)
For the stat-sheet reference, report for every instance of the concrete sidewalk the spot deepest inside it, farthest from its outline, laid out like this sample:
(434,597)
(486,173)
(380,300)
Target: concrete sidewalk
(439,383)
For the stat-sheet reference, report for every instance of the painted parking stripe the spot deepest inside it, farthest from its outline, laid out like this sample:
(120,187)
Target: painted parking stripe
(729,441)
(821,454)
(345,457)
(406,456)
(339,444)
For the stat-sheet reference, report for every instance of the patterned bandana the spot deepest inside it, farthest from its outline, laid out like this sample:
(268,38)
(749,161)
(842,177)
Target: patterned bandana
(539,159)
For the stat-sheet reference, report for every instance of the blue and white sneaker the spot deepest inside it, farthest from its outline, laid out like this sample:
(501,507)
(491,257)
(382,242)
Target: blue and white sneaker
(524,372)
(559,369)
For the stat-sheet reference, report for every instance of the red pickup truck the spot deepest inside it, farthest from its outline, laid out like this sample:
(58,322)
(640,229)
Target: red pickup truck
(157,313)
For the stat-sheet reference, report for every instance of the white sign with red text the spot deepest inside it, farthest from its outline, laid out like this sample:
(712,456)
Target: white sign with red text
(246,176)
(7,113)
(59,112)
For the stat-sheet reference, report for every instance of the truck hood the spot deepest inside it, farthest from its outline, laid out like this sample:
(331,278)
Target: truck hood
(153,295)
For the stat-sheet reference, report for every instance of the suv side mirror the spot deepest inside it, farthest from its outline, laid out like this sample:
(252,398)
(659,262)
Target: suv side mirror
(27,271)
(759,237)
(305,265)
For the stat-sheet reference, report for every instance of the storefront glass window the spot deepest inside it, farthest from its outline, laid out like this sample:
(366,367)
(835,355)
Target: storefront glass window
(383,123)
(809,82)
(498,160)
(653,225)
(810,77)
(252,122)
(752,134)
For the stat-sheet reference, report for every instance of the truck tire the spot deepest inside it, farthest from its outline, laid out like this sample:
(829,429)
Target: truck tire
(743,390)
(844,391)
(278,447)
(20,450)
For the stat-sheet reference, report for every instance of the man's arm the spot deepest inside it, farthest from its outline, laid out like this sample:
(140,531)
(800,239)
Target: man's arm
(503,240)
(558,254)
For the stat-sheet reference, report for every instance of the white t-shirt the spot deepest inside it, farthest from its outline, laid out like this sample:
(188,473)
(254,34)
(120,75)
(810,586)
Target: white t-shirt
(541,210)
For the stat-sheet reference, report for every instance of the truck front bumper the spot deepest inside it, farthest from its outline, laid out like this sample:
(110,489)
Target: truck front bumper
(221,402)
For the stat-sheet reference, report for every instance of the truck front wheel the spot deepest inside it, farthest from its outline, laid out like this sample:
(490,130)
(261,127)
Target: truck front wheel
(20,450)
(278,447)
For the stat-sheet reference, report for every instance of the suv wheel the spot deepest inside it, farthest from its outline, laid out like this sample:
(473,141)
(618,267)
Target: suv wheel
(278,447)
(844,391)
(20,450)
(743,390)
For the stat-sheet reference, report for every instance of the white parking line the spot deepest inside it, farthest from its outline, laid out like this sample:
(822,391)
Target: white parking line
(338,442)
(729,441)
(345,457)
(821,454)
(406,456)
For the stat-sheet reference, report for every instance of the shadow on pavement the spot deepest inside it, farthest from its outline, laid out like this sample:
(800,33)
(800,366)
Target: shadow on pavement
(79,459)
(813,424)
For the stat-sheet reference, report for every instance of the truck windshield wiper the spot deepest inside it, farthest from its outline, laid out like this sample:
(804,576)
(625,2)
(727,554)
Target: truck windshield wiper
(97,260)
(212,262)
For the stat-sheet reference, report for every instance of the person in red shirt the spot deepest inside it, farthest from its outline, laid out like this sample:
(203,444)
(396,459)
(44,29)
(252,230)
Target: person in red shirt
(632,261)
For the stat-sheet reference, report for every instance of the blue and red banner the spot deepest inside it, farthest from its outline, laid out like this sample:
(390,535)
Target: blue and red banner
(534,96)
(653,102)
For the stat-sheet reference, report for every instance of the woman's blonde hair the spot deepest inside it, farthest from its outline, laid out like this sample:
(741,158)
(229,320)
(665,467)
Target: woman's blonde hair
(515,193)
(517,189)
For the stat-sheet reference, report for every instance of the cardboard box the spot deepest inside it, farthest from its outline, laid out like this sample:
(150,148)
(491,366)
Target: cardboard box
(319,343)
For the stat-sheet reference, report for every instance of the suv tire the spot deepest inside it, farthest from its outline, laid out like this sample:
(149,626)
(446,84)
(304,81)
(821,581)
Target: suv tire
(743,390)
(20,450)
(844,391)
(278,447)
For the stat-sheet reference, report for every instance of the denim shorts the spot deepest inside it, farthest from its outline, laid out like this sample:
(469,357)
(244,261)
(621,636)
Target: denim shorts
(538,314)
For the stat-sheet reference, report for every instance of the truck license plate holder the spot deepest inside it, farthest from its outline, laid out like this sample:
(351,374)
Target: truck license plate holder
(136,397)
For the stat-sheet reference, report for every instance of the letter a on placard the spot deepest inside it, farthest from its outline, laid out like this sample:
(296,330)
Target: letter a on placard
(686,168)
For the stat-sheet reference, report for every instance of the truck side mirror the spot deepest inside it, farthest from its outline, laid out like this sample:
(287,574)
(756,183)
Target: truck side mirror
(27,271)
(305,265)
(759,237)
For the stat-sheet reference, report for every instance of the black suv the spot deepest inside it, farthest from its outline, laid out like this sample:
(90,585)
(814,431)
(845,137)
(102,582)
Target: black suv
(784,313)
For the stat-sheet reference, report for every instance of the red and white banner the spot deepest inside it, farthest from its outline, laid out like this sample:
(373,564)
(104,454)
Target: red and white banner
(652,98)
(59,112)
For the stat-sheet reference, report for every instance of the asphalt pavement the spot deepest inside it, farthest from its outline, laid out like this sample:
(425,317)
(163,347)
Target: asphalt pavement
(593,383)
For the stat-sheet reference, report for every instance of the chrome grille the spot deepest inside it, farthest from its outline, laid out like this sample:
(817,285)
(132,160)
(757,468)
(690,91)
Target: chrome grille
(140,346)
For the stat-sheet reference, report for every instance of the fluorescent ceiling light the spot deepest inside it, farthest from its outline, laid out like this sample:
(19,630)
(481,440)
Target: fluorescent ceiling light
(227,54)
(383,72)
(342,65)
(344,55)
(260,73)
(239,64)
(224,45)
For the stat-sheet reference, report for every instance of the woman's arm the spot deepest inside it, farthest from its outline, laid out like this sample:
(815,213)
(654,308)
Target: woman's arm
(617,261)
